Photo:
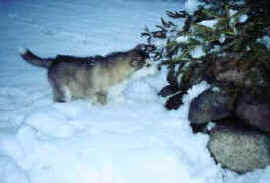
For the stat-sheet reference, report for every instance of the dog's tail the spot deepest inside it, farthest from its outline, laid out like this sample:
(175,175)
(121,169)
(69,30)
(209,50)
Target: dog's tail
(33,59)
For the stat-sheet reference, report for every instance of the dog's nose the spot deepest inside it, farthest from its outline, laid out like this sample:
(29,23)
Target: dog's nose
(148,65)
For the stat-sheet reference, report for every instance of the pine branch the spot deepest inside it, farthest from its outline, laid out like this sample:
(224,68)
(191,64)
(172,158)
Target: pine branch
(179,14)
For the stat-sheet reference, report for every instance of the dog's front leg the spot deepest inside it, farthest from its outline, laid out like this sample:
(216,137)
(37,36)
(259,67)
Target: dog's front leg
(102,97)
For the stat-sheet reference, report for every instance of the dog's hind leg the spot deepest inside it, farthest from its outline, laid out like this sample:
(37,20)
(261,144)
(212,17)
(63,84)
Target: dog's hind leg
(61,93)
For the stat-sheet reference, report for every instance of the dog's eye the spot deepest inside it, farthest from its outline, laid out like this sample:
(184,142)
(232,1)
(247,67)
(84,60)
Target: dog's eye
(138,58)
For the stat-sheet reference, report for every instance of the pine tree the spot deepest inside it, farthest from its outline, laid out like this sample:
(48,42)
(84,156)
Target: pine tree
(214,29)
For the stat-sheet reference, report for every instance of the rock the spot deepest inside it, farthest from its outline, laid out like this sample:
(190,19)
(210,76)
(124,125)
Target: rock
(254,111)
(242,72)
(226,69)
(209,106)
(240,150)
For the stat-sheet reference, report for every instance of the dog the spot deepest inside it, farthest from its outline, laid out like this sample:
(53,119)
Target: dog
(88,77)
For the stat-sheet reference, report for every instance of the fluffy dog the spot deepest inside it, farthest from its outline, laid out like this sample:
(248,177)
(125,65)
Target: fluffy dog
(88,77)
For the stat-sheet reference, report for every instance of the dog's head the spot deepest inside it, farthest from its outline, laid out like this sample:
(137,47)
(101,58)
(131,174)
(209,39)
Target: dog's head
(139,57)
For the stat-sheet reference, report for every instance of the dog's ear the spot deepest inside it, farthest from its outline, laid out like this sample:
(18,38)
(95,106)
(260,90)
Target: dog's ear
(147,48)
(141,47)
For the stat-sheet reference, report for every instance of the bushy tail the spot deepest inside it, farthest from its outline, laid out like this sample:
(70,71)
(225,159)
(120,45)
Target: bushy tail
(31,58)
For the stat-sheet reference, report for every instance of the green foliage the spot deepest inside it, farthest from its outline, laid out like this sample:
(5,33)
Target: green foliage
(217,27)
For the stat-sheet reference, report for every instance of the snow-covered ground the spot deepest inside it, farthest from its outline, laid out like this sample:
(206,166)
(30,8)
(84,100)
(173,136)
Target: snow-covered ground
(134,140)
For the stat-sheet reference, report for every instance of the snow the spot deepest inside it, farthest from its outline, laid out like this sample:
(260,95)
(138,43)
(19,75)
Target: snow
(232,12)
(197,52)
(192,5)
(182,39)
(265,40)
(243,18)
(222,38)
(209,23)
(132,139)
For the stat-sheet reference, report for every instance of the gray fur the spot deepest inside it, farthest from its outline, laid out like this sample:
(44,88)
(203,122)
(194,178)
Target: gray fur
(88,77)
